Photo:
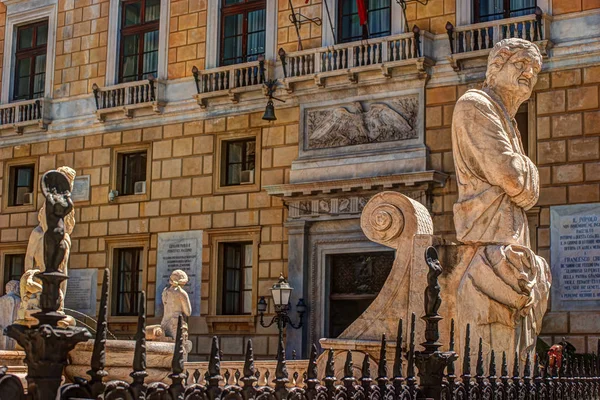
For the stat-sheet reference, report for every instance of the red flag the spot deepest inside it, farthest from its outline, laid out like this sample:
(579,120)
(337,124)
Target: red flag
(362,11)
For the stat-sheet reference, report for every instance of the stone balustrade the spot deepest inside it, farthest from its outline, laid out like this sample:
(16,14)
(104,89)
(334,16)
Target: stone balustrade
(265,371)
(352,58)
(127,97)
(230,80)
(471,41)
(19,115)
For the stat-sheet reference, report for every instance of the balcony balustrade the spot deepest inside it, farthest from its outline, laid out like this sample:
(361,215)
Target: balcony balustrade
(230,80)
(22,114)
(127,97)
(476,40)
(413,48)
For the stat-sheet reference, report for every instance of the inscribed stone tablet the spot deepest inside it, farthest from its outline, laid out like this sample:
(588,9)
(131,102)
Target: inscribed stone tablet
(179,250)
(81,291)
(81,188)
(575,256)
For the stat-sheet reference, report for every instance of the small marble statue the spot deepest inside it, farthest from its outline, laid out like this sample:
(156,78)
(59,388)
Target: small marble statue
(504,291)
(34,258)
(176,302)
(9,305)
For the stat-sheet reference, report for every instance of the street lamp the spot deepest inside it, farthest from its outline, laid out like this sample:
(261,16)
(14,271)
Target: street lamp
(281,293)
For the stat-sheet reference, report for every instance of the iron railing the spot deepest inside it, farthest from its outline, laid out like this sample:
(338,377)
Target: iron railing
(577,377)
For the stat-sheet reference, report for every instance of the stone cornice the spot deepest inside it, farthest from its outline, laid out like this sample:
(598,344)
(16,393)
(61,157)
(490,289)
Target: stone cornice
(348,185)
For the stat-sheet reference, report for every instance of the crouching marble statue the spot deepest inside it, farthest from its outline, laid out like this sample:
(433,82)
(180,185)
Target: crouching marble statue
(176,302)
(497,184)
(491,280)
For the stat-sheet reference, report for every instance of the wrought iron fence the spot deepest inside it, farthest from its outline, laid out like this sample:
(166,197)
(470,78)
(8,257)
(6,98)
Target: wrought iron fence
(576,377)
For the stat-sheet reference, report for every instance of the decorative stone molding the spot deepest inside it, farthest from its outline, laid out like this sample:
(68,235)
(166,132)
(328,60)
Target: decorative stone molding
(342,205)
(380,182)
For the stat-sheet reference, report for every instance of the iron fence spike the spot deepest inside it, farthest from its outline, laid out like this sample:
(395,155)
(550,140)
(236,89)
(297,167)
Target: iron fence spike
(479,368)
(348,373)
(311,371)
(492,367)
(382,371)
(504,367)
(397,372)
(98,361)
(527,370)
(467,356)
(410,371)
(516,372)
(214,362)
(366,367)
(249,369)
(281,369)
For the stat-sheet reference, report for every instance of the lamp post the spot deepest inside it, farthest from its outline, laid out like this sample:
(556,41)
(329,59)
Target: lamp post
(281,293)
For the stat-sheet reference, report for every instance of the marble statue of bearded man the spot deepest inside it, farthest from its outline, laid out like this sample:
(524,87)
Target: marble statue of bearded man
(504,291)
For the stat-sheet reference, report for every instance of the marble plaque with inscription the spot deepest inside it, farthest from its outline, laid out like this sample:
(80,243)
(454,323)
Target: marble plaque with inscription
(575,257)
(179,250)
(81,188)
(81,291)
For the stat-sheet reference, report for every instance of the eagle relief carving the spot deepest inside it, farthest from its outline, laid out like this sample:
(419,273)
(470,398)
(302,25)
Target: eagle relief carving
(361,123)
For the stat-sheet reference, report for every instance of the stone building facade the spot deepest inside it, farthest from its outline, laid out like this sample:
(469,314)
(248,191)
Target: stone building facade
(359,117)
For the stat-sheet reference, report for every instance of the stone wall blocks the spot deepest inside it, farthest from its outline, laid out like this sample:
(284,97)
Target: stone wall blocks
(551,102)
(589,193)
(583,98)
(566,78)
(584,149)
(552,152)
(440,95)
(567,125)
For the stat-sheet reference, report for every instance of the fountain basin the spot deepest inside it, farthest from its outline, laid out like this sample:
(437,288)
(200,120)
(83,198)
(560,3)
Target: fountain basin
(119,360)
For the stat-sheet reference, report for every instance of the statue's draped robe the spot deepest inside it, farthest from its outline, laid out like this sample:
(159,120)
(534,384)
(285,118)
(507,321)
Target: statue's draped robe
(497,183)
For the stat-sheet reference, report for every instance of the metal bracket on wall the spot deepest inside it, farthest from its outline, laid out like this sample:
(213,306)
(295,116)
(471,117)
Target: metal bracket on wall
(300,19)
(403,4)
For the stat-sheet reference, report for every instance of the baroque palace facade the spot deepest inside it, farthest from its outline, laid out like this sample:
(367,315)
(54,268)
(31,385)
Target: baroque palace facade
(158,105)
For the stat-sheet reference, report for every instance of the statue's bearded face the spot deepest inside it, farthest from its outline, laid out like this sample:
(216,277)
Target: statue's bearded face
(518,75)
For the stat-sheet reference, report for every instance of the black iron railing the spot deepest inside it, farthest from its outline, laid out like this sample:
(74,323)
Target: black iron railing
(576,377)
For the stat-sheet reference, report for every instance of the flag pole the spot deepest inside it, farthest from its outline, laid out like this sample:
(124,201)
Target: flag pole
(330,23)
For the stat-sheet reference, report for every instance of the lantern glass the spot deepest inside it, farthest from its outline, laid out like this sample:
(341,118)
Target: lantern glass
(281,292)
(262,305)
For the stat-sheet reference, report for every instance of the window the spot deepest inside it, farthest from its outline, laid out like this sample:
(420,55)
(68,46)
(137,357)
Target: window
(128,280)
(490,10)
(139,39)
(238,162)
(243,25)
(355,279)
(236,266)
(14,266)
(379,20)
(30,61)
(21,185)
(132,173)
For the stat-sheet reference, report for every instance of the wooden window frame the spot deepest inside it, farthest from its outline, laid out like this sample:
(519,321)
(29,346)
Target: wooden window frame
(365,32)
(244,8)
(6,207)
(116,172)
(220,163)
(139,29)
(505,14)
(227,323)
(240,269)
(134,290)
(245,161)
(126,241)
(31,54)
(126,180)
(6,250)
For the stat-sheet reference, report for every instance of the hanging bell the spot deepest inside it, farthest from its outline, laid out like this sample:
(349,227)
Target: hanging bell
(269,112)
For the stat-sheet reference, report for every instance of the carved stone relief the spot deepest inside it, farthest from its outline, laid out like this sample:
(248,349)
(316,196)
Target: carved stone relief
(339,205)
(362,122)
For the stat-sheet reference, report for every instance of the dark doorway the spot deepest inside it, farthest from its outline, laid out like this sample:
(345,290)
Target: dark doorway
(354,281)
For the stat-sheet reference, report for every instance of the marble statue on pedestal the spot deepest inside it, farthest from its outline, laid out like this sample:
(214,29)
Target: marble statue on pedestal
(504,290)
(31,287)
(9,305)
(176,302)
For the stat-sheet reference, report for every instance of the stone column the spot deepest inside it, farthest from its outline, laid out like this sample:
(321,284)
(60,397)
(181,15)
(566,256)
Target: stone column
(298,279)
